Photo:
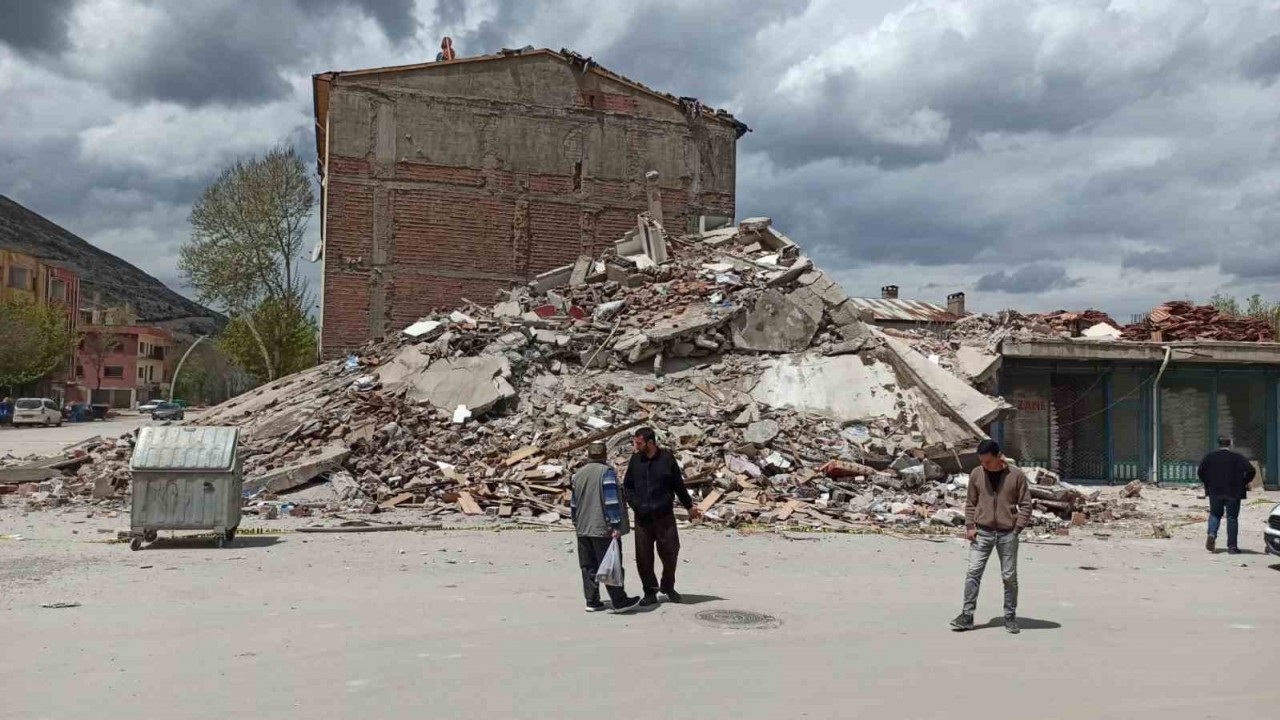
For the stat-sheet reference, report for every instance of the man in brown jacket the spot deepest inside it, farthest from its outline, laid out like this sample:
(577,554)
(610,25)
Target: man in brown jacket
(997,510)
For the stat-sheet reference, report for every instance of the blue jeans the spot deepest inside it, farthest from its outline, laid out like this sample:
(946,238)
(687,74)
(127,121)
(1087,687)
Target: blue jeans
(1006,546)
(1231,505)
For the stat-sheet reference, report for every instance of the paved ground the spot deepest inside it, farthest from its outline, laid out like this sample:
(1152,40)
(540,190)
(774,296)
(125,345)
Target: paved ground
(49,441)
(454,624)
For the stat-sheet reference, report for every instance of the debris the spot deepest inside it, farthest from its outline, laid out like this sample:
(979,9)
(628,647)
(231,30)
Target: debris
(1132,490)
(60,605)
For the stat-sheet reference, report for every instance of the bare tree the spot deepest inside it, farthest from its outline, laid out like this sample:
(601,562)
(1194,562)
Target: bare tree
(247,230)
(97,346)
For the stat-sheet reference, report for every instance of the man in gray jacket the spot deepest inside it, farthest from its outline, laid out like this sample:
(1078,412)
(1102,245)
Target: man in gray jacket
(599,518)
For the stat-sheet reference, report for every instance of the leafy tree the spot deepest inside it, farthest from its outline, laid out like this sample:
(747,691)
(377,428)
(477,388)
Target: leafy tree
(293,332)
(1225,304)
(244,255)
(36,341)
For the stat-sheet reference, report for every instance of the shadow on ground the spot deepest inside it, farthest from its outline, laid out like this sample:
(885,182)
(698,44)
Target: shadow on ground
(240,543)
(1025,623)
(691,599)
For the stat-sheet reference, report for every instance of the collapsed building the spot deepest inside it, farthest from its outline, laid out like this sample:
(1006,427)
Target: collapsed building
(451,180)
(751,363)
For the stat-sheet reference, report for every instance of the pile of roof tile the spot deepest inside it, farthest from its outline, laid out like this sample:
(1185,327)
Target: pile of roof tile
(1184,321)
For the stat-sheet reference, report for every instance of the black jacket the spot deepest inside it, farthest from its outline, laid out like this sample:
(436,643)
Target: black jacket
(652,485)
(1226,474)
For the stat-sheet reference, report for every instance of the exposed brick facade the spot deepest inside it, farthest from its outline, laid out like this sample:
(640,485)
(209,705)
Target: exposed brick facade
(459,180)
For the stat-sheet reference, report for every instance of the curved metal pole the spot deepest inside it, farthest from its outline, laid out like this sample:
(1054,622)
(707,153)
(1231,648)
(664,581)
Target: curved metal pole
(173,384)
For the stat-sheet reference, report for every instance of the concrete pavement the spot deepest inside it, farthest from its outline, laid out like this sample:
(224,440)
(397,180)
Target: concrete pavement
(490,624)
(22,441)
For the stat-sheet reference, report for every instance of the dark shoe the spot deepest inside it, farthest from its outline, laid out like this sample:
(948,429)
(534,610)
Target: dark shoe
(962,622)
(649,600)
(627,606)
(1011,625)
(674,596)
(1211,543)
(1233,551)
(596,606)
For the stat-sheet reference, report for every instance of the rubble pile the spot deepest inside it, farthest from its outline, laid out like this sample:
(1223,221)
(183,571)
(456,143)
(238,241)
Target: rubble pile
(747,359)
(1058,505)
(1074,324)
(1179,320)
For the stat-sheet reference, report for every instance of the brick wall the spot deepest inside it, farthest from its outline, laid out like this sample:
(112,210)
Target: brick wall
(468,231)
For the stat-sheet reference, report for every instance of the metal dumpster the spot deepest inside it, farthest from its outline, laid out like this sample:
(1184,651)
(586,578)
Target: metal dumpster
(185,478)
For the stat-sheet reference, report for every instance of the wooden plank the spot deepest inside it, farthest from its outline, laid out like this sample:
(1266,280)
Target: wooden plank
(397,500)
(788,509)
(521,454)
(468,504)
(601,435)
(709,501)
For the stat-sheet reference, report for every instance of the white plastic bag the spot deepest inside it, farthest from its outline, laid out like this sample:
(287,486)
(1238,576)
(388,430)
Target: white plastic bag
(610,570)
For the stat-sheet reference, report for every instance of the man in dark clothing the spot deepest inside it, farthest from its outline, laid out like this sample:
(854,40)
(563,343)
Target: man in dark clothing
(1226,475)
(652,484)
(997,510)
(599,518)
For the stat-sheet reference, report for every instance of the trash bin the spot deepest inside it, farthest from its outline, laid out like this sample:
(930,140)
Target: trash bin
(185,478)
(100,411)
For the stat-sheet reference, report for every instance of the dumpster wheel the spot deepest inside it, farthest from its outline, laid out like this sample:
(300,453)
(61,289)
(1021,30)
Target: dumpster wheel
(150,535)
(231,534)
(135,543)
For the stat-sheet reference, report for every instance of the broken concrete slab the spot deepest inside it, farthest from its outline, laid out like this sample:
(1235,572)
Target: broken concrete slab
(808,301)
(972,405)
(19,475)
(300,472)
(476,382)
(775,324)
(581,269)
(842,387)
(976,364)
(551,279)
(762,433)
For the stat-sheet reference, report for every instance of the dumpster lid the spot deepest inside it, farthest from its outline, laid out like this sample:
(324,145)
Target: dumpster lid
(185,448)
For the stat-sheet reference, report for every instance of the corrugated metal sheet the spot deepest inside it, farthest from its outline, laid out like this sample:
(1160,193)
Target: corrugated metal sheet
(899,310)
(185,448)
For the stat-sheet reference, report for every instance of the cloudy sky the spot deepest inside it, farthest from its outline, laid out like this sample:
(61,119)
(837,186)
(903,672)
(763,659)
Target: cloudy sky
(1034,153)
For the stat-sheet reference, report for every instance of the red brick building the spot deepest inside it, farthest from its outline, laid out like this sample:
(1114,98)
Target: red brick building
(121,363)
(452,180)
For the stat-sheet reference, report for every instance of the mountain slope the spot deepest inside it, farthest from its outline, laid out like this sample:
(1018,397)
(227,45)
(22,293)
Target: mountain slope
(119,282)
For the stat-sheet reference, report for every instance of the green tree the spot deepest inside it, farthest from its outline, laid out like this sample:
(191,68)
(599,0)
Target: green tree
(244,255)
(1225,304)
(36,341)
(292,330)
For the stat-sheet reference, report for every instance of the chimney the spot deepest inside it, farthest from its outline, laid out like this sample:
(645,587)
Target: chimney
(889,292)
(955,304)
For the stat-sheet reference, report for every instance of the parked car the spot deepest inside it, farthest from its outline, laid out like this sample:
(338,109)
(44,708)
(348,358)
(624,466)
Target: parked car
(150,406)
(167,411)
(36,411)
(1271,535)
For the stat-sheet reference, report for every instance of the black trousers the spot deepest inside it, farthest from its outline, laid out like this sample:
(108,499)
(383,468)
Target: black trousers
(591,551)
(659,532)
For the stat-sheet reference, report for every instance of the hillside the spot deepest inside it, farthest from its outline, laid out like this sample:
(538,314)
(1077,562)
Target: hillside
(119,282)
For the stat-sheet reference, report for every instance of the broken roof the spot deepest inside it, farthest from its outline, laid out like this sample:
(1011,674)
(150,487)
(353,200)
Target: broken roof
(320,84)
(899,310)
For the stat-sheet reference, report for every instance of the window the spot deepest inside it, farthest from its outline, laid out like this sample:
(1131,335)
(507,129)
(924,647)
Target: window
(142,374)
(113,371)
(18,277)
(79,371)
(57,290)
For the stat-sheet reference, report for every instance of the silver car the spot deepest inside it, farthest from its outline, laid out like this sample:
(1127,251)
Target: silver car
(1271,535)
(168,411)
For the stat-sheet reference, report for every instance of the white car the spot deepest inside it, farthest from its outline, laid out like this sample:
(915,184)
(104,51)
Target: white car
(36,411)
(1271,536)
(149,407)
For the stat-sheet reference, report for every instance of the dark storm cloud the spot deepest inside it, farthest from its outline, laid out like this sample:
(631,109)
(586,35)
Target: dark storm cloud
(450,12)
(395,17)
(1262,62)
(1027,279)
(35,25)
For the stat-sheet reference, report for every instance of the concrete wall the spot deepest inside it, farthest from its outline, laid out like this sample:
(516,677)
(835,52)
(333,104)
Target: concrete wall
(456,181)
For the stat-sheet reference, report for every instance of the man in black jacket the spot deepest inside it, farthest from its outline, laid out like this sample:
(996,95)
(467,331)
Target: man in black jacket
(652,484)
(1226,476)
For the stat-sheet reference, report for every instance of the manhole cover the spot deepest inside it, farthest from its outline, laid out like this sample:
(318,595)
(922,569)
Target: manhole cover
(738,619)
